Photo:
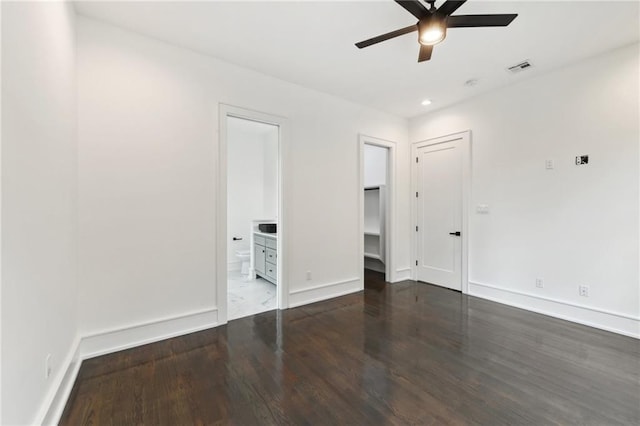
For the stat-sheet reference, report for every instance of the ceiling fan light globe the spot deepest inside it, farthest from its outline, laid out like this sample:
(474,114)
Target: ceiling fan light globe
(432,37)
(431,31)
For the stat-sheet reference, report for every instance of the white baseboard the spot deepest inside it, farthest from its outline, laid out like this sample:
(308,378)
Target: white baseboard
(402,275)
(627,325)
(324,291)
(54,404)
(109,341)
(114,340)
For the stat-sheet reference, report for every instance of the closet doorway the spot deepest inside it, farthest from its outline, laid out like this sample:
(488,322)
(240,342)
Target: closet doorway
(377,200)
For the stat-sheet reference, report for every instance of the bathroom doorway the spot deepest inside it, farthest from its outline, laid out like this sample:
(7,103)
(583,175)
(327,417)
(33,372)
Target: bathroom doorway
(250,150)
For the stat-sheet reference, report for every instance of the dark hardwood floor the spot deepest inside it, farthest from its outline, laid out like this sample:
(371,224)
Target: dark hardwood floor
(406,353)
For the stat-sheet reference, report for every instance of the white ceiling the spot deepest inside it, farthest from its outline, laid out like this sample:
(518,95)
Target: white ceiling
(312,43)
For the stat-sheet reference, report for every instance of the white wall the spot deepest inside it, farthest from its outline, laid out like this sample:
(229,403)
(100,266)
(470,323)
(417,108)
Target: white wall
(270,181)
(148,131)
(39,286)
(571,225)
(375,165)
(252,159)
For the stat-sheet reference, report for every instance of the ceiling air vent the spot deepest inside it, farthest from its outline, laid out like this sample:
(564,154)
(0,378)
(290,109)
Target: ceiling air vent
(518,68)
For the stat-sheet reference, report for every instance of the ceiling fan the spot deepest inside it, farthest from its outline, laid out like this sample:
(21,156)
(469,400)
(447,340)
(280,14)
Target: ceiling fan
(433,23)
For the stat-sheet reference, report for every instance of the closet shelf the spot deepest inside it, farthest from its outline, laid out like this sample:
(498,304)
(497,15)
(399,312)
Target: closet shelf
(374,225)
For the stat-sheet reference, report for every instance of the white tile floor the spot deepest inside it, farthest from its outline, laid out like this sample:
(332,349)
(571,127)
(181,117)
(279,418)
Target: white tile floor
(248,297)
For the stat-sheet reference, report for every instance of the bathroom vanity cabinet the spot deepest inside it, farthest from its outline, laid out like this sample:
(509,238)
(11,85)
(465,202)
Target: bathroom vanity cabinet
(265,256)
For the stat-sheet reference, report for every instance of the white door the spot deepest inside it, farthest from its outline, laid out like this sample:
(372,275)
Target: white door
(439,201)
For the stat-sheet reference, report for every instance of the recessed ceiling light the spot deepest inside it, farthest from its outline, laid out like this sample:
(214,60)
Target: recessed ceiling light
(426,102)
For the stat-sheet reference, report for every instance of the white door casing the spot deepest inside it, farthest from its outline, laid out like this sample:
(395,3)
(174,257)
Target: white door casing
(441,186)
(221,201)
(390,204)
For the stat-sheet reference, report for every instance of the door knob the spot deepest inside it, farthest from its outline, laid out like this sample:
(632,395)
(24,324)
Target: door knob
(457,233)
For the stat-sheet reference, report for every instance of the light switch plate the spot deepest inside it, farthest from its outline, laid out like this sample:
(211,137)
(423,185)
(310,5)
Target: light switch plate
(482,209)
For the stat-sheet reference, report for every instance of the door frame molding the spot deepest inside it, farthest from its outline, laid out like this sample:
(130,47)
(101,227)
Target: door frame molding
(390,207)
(220,160)
(464,138)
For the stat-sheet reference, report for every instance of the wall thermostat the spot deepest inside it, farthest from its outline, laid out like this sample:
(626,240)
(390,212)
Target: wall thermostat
(582,159)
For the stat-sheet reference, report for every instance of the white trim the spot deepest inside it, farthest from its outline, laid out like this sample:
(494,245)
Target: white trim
(402,274)
(550,299)
(130,336)
(390,213)
(616,322)
(316,287)
(55,401)
(324,291)
(465,144)
(114,340)
(221,203)
(1,283)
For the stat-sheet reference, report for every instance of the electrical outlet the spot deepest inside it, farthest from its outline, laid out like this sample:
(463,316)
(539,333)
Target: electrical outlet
(583,290)
(308,275)
(47,366)
(540,282)
(549,164)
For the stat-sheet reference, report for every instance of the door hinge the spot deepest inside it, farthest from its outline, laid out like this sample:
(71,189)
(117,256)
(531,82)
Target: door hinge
(416,159)
(416,228)
(416,194)
(416,263)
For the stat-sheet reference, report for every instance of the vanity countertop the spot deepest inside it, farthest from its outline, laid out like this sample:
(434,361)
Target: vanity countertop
(265,234)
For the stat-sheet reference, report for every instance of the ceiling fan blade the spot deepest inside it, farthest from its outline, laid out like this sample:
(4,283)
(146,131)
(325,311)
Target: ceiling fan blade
(425,53)
(450,6)
(387,36)
(462,21)
(414,7)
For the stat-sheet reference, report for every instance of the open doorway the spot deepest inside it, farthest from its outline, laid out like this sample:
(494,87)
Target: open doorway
(252,216)
(377,198)
(249,259)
